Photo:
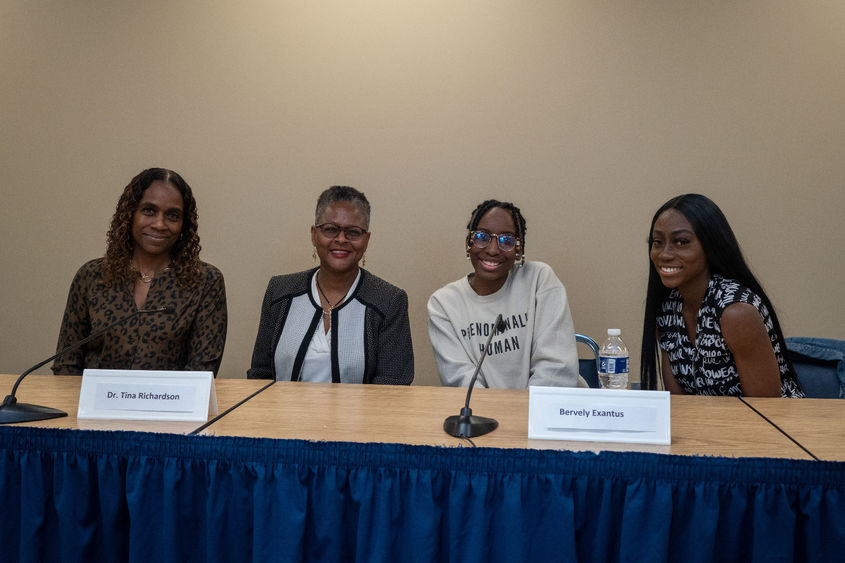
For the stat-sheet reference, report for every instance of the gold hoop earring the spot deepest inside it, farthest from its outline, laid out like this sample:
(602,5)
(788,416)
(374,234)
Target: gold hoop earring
(314,255)
(364,261)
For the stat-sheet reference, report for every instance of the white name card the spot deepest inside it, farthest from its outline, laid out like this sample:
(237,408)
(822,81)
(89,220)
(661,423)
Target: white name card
(147,395)
(599,415)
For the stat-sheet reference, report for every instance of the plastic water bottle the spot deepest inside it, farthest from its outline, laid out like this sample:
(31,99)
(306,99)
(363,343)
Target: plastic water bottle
(613,361)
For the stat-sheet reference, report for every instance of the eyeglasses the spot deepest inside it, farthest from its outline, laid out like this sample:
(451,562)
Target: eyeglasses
(332,231)
(480,239)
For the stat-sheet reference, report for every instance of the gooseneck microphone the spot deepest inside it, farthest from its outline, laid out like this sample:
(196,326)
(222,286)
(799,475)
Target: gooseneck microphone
(12,411)
(465,425)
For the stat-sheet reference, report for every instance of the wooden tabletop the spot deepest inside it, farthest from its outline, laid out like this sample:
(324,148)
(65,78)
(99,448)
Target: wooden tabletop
(817,424)
(62,392)
(722,426)
(414,415)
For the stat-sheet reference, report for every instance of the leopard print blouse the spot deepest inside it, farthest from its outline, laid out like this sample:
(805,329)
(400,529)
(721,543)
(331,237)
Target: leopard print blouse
(190,336)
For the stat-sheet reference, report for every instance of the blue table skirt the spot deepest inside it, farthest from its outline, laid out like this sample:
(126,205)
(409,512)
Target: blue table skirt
(130,496)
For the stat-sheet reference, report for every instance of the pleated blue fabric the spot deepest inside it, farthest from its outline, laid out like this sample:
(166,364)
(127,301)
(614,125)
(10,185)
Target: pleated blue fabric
(131,496)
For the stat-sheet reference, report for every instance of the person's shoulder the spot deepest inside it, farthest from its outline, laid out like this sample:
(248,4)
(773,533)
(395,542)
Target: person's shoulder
(210,272)
(541,272)
(739,322)
(88,279)
(725,283)
(727,291)
(92,269)
(381,296)
(286,284)
(95,262)
(450,290)
(372,285)
(741,314)
(93,265)
(537,265)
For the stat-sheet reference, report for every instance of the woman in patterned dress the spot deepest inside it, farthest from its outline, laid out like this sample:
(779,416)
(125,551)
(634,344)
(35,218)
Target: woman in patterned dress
(707,318)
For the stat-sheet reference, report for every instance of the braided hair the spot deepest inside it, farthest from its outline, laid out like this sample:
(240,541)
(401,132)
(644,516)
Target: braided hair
(518,221)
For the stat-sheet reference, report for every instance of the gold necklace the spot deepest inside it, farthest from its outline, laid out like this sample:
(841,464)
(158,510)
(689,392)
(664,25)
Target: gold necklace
(148,278)
(323,293)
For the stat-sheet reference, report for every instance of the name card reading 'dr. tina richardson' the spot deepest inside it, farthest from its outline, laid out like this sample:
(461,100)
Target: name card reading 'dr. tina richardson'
(147,395)
(599,415)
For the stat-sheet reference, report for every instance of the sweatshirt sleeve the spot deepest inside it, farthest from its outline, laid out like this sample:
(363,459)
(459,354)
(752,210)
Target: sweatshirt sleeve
(554,356)
(453,363)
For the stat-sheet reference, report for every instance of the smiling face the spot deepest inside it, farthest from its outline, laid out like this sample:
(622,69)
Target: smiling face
(340,255)
(492,265)
(677,253)
(157,222)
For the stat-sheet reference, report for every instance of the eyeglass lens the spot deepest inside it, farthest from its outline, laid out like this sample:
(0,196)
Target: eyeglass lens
(330,230)
(480,239)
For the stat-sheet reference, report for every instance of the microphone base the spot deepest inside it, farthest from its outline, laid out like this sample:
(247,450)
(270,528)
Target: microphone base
(13,411)
(469,426)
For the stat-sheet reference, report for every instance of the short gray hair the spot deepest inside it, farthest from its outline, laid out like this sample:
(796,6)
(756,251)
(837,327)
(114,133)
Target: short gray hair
(343,193)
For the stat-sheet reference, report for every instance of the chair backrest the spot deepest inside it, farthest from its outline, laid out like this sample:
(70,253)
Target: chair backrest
(820,366)
(589,367)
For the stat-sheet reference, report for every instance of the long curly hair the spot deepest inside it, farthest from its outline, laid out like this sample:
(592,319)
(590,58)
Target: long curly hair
(184,254)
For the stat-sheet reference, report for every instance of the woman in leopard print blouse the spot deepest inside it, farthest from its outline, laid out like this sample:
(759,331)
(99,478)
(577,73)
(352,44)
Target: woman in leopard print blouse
(151,262)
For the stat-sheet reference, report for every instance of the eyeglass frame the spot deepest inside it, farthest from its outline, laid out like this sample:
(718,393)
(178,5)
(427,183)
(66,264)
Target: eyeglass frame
(344,230)
(493,236)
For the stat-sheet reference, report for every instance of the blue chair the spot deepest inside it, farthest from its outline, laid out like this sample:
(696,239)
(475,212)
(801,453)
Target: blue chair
(820,366)
(589,367)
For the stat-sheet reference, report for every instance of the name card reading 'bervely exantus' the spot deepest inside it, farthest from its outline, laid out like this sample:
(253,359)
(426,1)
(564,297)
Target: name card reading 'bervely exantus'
(147,395)
(599,415)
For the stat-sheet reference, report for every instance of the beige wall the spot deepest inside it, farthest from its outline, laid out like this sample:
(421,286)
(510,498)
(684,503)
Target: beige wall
(588,115)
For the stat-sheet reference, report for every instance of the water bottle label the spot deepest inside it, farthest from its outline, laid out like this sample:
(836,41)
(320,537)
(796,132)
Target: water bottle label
(609,364)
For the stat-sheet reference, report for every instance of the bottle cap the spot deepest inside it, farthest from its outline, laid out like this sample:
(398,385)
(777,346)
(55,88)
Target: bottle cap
(613,332)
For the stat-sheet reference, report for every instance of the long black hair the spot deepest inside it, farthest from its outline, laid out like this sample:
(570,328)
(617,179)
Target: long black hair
(724,257)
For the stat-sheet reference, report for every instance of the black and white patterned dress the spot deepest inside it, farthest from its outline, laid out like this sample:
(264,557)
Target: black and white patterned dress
(708,367)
